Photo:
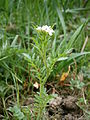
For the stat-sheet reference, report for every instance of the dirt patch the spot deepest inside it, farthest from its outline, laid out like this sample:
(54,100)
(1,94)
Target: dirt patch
(61,108)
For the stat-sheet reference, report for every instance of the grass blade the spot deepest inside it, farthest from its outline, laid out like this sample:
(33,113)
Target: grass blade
(61,20)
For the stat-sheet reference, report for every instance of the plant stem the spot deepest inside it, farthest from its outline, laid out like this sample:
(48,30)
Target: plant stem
(4,106)
(17,87)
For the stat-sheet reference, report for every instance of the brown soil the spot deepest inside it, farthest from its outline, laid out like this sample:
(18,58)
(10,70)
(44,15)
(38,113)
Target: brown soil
(62,108)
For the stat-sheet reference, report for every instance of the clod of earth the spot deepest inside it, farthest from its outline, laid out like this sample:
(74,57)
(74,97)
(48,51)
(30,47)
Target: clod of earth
(70,103)
(64,109)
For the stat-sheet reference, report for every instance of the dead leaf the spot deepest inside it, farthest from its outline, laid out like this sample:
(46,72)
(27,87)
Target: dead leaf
(65,75)
(36,85)
(25,85)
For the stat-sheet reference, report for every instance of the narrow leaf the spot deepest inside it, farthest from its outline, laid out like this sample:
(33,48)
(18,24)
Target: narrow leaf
(61,20)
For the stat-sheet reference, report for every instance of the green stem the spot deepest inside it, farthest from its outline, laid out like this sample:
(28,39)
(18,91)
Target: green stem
(17,87)
(4,105)
(42,83)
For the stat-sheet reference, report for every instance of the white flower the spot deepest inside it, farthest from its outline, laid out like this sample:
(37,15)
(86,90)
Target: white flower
(38,28)
(46,29)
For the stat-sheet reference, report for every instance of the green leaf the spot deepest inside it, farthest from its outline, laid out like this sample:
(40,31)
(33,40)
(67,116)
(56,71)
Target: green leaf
(74,36)
(3,87)
(27,55)
(61,20)
(54,46)
(62,58)
(75,55)
(14,41)
(17,114)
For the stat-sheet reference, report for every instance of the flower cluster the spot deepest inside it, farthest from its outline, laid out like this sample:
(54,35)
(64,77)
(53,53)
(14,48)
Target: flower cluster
(46,29)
